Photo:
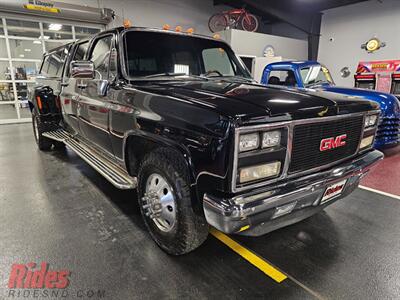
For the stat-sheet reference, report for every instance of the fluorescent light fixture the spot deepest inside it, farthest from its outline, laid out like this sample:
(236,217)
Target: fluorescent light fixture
(27,50)
(55,27)
(21,55)
(284,101)
(46,37)
(37,42)
(181,69)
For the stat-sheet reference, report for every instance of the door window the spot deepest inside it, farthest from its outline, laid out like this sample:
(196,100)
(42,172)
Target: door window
(282,77)
(100,56)
(80,52)
(53,63)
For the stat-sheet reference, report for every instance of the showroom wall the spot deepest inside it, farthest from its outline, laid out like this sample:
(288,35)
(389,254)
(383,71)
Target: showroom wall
(344,29)
(253,43)
(155,13)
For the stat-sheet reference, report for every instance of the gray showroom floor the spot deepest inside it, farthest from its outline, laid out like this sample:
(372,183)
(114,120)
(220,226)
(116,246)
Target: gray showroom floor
(54,208)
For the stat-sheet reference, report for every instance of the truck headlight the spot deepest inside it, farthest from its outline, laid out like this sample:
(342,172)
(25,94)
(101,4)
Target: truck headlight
(260,172)
(271,139)
(370,121)
(249,142)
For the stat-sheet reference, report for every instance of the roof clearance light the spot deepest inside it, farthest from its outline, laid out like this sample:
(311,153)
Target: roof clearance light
(166,27)
(55,27)
(190,30)
(216,36)
(127,23)
(178,28)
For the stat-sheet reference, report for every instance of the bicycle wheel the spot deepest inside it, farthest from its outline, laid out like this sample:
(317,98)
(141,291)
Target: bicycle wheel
(250,23)
(217,22)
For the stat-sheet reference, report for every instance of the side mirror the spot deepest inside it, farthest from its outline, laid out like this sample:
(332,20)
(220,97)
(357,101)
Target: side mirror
(82,69)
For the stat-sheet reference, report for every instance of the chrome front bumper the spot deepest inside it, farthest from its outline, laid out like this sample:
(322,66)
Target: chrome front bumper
(254,213)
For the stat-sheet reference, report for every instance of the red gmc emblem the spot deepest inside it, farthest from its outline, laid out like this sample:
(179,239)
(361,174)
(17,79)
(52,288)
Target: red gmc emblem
(332,142)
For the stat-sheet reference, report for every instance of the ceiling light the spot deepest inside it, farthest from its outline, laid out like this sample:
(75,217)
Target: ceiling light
(37,42)
(46,37)
(55,27)
(27,50)
(21,55)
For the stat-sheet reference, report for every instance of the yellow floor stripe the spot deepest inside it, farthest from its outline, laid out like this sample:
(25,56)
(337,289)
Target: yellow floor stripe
(249,256)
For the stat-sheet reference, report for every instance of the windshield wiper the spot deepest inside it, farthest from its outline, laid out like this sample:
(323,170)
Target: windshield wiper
(165,74)
(175,74)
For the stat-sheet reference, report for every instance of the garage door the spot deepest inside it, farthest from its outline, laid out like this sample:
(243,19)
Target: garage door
(22,44)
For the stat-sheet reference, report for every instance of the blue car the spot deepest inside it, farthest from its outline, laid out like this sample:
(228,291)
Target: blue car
(313,75)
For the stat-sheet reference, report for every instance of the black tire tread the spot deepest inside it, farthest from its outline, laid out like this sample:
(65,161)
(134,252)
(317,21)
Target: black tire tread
(43,143)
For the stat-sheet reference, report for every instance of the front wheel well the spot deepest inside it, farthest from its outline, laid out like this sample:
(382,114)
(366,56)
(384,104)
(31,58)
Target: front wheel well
(135,150)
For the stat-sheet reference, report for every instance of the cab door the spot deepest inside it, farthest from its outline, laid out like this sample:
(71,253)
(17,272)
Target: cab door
(94,105)
(69,95)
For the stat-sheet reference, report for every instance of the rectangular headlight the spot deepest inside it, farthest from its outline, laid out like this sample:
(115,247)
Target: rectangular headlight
(249,142)
(271,139)
(370,121)
(260,172)
(366,142)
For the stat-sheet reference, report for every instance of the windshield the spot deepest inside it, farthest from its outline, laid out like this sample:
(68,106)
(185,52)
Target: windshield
(153,54)
(315,75)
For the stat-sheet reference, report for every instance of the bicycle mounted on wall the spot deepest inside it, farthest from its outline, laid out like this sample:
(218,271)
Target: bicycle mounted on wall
(231,19)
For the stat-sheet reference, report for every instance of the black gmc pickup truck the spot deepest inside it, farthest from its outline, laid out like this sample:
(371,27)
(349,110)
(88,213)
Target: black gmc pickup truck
(178,117)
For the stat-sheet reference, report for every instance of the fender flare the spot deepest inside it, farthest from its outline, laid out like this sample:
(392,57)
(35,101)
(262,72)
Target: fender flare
(159,141)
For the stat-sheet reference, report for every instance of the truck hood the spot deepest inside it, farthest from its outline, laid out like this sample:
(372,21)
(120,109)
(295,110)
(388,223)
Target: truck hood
(249,101)
(387,102)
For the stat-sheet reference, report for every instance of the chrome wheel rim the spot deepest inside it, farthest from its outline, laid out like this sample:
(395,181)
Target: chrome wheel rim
(159,202)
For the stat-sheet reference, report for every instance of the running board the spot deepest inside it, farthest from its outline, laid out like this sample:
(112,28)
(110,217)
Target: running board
(111,171)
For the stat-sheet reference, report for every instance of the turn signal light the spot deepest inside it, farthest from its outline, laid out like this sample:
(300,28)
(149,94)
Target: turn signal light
(366,142)
(127,23)
(260,172)
(39,102)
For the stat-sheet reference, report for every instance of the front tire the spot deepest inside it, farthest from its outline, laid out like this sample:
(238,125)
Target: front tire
(39,128)
(165,203)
